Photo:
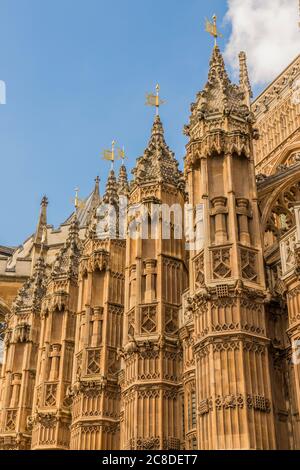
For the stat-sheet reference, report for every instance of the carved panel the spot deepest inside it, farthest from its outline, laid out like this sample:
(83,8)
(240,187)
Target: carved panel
(148,393)
(258,402)
(172,443)
(50,394)
(131,323)
(249,265)
(226,346)
(233,401)
(171,319)
(255,347)
(113,364)
(205,406)
(93,361)
(148,319)
(221,263)
(294,314)
(229,402)
(222,290)
(150,443)
(148,365)
(79,365)
(11,419)
(199,271)
(287,253)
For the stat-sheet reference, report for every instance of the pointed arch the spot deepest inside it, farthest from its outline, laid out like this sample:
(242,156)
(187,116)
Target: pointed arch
(280,189)
(284,156)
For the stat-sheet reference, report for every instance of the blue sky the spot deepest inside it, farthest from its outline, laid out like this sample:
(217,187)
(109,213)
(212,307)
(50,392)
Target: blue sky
(76,74)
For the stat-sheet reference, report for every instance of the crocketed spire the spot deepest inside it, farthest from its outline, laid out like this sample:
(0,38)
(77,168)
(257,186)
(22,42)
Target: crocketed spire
(221,98)
(42,223)
(217,70)
(244,77)
(106,216)
(111,192)
(220,95)
(123,186)
(67,260)
(31,293)
(158,162)
(97,183)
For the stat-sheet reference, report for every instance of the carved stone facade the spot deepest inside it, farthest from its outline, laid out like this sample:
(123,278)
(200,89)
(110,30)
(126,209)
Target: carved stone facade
(152,342)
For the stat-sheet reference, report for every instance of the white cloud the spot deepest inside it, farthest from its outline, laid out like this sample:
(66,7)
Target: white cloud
(268,31)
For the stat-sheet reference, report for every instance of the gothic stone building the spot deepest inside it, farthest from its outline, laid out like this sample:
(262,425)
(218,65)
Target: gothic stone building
(114,342)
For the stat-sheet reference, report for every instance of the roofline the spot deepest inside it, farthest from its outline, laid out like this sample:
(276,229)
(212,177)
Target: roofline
(7,249)
(273,82)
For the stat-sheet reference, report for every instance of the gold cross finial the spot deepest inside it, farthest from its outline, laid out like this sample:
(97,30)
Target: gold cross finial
(110,154)
(154,100)
(212,29)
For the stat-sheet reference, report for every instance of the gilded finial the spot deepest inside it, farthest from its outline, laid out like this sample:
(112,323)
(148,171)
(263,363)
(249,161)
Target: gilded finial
(78,203)
(114,154)
(110,154)
(154,100)
(121,154)
(211,28)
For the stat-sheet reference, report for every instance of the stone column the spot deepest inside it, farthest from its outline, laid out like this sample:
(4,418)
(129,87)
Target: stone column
(243,213)
(220,211)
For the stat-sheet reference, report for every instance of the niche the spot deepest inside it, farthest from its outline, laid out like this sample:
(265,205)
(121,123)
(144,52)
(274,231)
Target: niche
(98,288)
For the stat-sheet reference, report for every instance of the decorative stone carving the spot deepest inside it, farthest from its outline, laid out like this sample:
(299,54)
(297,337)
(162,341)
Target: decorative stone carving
(222,291)
(47,420)
(158,162)
(199,271)
(131,322)
(93,361)
(21,333)
(172,443)
(249,265)
(150,443)
(11,420)
(282,213)
(229,402)
(171,319)
(205,406)
(221,263)
(50,394)
(148,319)
(31,294)
(186,350)
(259,403)
(67,261)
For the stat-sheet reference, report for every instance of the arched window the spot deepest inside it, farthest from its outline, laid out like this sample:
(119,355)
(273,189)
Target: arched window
(281,217)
